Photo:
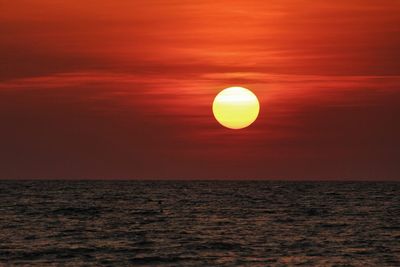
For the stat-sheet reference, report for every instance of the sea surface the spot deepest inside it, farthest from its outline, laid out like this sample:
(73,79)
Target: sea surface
(199,223)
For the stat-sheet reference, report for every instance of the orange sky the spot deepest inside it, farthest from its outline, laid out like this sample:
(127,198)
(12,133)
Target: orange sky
(123,89)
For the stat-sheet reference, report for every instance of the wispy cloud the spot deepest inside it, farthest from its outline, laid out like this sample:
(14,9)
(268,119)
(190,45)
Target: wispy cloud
(124,88)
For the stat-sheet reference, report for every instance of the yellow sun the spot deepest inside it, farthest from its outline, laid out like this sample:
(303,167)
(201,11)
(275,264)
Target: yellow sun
(236,107)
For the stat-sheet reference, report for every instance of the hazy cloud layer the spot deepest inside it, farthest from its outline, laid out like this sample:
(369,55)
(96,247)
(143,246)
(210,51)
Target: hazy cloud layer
(123,89)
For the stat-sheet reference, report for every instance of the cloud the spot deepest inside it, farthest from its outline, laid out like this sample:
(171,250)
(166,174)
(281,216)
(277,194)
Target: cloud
(94,123)
(124,89)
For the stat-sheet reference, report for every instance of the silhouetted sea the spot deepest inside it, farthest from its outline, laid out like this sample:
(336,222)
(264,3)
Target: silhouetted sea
(120,223)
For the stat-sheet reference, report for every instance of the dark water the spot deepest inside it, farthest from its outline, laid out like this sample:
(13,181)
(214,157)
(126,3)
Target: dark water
(199,223)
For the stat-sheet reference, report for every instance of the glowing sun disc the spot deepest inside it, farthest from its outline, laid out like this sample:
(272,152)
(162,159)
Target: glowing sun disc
(236,107)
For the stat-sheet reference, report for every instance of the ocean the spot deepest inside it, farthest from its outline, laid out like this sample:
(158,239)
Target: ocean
(199,223)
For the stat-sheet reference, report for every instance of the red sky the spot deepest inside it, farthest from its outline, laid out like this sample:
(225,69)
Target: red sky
(123,89)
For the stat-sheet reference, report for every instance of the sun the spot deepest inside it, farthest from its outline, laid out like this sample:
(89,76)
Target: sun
(236,107)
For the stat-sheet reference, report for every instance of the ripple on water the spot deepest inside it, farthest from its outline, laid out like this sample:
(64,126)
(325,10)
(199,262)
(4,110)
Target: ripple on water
(199,223)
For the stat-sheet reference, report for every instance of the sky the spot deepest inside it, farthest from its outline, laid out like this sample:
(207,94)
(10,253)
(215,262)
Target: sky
(102,89)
